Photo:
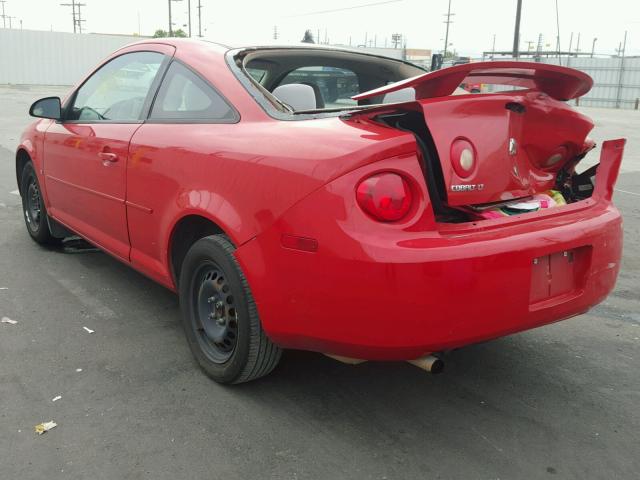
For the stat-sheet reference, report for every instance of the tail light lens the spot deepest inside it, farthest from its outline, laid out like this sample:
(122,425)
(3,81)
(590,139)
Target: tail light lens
(385,196)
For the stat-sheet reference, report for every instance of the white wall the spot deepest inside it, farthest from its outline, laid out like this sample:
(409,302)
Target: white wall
(30,57)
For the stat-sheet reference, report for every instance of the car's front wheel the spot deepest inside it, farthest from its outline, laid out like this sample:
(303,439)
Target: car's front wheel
(219,315)
(33,207)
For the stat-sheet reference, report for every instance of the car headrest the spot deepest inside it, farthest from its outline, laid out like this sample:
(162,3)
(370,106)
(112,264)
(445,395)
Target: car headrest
(297,95)
(404,95)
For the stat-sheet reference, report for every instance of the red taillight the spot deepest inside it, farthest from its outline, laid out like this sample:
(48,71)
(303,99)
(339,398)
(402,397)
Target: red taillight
(384,196)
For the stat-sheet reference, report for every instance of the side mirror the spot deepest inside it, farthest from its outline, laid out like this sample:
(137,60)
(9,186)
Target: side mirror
(49,107)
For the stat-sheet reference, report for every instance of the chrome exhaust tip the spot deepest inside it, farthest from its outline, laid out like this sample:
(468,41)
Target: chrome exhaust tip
(429,363)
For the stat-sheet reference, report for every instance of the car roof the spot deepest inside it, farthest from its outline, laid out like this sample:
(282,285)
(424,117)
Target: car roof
(221,49)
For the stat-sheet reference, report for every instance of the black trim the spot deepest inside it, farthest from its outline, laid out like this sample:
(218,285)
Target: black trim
(155,87)
(236,115)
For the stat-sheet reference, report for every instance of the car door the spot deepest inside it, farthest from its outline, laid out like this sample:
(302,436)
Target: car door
(190,133)
(85,155)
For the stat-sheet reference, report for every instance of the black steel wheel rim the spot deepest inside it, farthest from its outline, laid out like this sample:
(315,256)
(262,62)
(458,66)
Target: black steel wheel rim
(33,210)
(215,318)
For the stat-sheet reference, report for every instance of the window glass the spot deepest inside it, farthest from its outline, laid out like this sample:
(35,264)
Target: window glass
(335,85)
(257,73)
(117,91)
(185,96)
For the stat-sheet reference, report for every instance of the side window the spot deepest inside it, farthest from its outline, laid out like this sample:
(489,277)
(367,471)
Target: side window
(183,95)
(335,85)
(117,91)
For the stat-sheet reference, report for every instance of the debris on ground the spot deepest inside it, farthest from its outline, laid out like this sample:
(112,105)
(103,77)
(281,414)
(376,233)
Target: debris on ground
(78,370)
(88,330)
(4,288)
(44,427)
(56,398)
(15,192)
(8,320)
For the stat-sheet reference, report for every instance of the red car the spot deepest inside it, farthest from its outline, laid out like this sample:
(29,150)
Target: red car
(329,200)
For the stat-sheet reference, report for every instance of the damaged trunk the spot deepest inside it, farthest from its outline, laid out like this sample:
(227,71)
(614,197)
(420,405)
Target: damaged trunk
(501,154)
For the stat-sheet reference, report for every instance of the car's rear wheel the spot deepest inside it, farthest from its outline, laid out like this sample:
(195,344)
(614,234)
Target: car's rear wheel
(33,207)
(219,315)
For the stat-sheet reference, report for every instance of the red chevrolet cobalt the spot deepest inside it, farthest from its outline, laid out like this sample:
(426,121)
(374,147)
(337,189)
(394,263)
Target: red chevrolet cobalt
(329,200)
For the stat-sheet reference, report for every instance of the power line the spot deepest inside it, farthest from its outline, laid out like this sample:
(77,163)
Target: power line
(354,7)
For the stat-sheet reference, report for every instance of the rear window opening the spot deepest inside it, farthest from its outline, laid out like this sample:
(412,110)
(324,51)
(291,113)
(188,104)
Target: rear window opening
(306,80)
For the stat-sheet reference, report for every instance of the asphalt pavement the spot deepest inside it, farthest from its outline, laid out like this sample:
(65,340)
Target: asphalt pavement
(560,401)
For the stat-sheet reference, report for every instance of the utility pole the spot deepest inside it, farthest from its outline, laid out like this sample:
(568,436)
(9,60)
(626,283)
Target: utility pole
(4,16)
(446,35)
(170,21)
(199,19)
(79,16)
(570,43)
(593,46)
(538,56)
(73,12)
(558,32)
(275,32)
(578,44)
(516,33)
(621,52)
(189,13)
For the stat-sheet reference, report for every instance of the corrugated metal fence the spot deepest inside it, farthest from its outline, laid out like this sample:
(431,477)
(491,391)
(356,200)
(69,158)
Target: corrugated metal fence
(29,57)
(616,80)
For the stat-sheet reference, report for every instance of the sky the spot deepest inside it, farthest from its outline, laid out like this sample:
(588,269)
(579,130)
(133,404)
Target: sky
(421,22)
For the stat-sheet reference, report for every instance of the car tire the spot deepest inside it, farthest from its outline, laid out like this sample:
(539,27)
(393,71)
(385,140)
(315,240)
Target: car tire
(219,315)
(33,207)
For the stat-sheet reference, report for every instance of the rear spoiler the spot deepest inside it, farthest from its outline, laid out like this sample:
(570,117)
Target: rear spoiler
(561,83)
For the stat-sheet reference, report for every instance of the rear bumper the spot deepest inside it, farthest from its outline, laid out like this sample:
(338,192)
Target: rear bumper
(395,293)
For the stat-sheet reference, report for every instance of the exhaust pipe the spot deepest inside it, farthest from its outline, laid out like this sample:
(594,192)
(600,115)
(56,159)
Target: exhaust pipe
(428,363)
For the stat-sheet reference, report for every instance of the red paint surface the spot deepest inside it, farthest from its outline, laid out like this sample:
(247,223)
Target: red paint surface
(366,289)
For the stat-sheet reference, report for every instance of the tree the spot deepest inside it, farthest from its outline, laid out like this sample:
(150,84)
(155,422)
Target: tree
(163,33)
(308,37)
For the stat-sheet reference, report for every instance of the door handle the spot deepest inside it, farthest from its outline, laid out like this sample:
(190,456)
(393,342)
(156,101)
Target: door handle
(108,157)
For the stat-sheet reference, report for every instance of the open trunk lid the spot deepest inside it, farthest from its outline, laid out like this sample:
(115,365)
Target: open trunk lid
(517,140)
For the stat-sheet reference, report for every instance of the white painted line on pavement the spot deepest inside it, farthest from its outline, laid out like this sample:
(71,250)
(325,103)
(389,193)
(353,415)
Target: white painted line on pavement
(625,191)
